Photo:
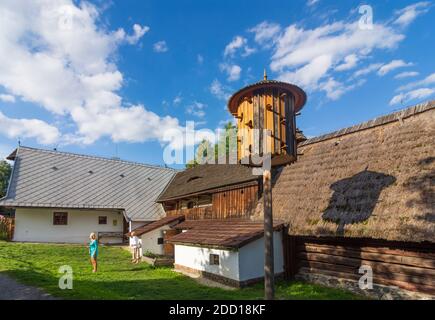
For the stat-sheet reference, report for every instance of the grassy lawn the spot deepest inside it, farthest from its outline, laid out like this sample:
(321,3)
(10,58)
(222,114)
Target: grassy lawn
(38,264)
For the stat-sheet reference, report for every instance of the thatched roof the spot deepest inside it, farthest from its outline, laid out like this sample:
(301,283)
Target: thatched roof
(205,178)
(376,180)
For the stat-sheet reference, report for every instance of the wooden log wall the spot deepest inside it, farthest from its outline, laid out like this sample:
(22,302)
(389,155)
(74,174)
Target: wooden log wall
(235,203)
(226,204)
(405,265)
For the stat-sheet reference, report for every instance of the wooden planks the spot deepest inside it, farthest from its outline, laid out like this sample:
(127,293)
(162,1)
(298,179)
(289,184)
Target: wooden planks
(227,204)
(409,266)
(236,203)
(7,227)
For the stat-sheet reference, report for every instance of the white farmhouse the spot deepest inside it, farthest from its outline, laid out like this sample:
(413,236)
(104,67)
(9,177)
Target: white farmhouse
(63,197)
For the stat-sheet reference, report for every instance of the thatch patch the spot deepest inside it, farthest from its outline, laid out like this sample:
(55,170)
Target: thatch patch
(371,180)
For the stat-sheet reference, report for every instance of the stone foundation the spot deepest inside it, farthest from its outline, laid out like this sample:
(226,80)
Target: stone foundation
(218,278)
(378,292)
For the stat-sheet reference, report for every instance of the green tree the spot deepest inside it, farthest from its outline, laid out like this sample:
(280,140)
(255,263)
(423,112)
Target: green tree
(204,147)
(5,173)
(229,134)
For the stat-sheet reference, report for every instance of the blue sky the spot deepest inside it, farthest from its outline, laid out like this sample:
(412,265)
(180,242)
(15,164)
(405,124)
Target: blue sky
(110,78)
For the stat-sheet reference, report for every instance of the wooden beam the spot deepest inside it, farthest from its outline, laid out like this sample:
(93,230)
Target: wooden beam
(269,273)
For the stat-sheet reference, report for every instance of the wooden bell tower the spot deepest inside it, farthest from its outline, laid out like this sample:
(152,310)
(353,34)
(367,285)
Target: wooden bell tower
(270,105)
(266,113)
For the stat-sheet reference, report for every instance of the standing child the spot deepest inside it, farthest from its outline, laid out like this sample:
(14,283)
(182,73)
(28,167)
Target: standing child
(135,243)
(93,251)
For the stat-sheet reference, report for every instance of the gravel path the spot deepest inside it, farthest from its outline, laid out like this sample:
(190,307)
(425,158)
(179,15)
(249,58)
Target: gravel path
(12,290)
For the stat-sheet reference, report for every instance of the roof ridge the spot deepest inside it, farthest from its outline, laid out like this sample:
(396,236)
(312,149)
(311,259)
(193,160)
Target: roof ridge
(99,158)
(375,122)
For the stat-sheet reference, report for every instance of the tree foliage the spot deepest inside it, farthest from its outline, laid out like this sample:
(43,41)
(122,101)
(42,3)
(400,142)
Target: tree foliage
(206,151)
(5,173)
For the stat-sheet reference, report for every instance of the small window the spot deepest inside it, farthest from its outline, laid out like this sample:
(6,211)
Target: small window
(60,218)
(102,220)
(190,204)
(159,240)
(193,178)
(214,259)
(115,222)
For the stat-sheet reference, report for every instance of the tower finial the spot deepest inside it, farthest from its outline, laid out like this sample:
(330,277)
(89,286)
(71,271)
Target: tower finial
(265,74)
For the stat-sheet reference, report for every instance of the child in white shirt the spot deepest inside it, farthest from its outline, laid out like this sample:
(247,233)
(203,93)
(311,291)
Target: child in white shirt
(135,243)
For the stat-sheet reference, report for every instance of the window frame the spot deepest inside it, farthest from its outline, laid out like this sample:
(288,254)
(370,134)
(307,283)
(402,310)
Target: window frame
(99,220)
(60,220)
(214,259)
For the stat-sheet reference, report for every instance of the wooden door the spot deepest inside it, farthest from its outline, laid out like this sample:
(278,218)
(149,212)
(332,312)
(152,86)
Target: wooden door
(168,248)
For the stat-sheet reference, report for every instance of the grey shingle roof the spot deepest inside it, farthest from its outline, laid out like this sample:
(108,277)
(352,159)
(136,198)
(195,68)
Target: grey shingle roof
(43,178)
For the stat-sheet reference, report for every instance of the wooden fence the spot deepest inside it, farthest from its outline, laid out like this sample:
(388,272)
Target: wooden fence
(7,226)
(410,266)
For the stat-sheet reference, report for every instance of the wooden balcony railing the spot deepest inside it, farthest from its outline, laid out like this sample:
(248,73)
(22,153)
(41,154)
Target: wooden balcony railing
(193,213)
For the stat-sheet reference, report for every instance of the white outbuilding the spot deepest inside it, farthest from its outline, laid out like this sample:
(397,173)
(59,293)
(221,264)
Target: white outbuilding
(226,251)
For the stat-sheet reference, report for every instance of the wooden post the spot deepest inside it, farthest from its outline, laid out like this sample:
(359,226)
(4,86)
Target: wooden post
(269,286)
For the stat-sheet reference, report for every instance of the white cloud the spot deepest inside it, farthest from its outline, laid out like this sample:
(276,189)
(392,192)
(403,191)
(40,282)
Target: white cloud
(55,55)
(139,32)
(177,100)
(7,98)
(311,3)
(420,93)
(310,74)
(350,62)
(28,128)
(232,70)
(366,70)
(196,109)
(406,74)
(238,43)
(429,80)
(335,89)
(408,14)
(200,59)
(219,91)
(386,68)
(265,33)
(160,46)
(306,56)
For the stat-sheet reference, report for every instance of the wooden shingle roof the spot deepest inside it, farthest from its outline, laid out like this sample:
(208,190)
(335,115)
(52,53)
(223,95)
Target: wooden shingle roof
(372,180)
(229,234)
(157,224)
(204,178)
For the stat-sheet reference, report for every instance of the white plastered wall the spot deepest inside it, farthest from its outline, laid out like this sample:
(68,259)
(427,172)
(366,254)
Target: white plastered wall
(198,258)
(240,265)
(149,241)
(251,258)
(36,225)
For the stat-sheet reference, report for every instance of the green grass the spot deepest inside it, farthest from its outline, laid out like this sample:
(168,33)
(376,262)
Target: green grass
(117,278)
